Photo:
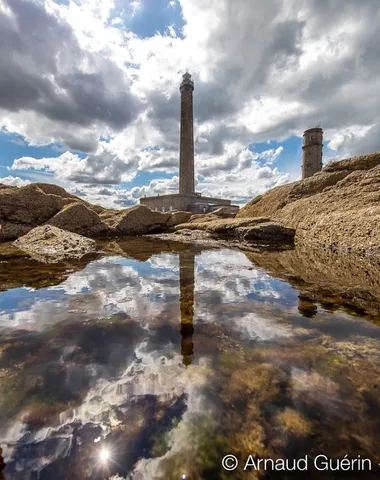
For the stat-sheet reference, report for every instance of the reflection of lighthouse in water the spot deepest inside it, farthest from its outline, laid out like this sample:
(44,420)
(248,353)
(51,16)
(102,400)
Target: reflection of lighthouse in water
(186,282)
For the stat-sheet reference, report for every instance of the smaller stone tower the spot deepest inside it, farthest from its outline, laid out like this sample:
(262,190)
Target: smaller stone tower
(312,152)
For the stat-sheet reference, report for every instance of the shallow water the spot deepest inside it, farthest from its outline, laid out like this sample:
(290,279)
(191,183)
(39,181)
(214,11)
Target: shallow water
(156,361)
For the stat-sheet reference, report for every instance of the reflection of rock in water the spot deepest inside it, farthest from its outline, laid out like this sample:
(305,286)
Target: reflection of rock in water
(335,280)
(186,281)
(306,306)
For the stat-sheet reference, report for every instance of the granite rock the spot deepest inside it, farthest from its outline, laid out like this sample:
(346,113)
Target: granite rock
(338,207)
(137,220)
(51,244)
(78,218)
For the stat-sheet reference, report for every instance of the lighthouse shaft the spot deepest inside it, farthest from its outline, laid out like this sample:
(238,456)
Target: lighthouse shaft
(186,156)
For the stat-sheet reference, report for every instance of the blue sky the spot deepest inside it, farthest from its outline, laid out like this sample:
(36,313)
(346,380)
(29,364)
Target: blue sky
(91,100)
(152,17)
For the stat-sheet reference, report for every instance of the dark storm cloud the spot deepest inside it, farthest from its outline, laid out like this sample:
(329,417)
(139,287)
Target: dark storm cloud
(213,142)
(164,107)
(41,71)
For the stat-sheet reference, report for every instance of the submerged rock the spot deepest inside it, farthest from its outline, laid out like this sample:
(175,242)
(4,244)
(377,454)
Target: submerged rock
(51,244)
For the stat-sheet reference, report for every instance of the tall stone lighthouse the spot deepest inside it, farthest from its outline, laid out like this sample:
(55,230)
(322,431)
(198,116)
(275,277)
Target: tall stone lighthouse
(186,148)
(312,152)
(187,199)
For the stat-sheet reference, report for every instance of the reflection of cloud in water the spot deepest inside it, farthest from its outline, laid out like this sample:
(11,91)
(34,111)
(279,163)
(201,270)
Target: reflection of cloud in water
(143,290)
(113,371)
(108,401)
(230,276)
(257,327)
(165,262)
(152,373)
(105,287)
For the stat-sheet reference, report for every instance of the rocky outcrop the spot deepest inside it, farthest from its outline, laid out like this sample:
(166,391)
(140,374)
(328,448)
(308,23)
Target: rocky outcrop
(22,209)
(28,205)
(3,186)
(78,218)
(266,233)
(202,218)
(338,207)
(224,212)
(177,218)
(51,189)
(51,244)
(253,230)
(137,220)
(68,198)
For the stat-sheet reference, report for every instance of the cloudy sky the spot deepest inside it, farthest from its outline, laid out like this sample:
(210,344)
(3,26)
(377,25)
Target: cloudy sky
(89,91)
